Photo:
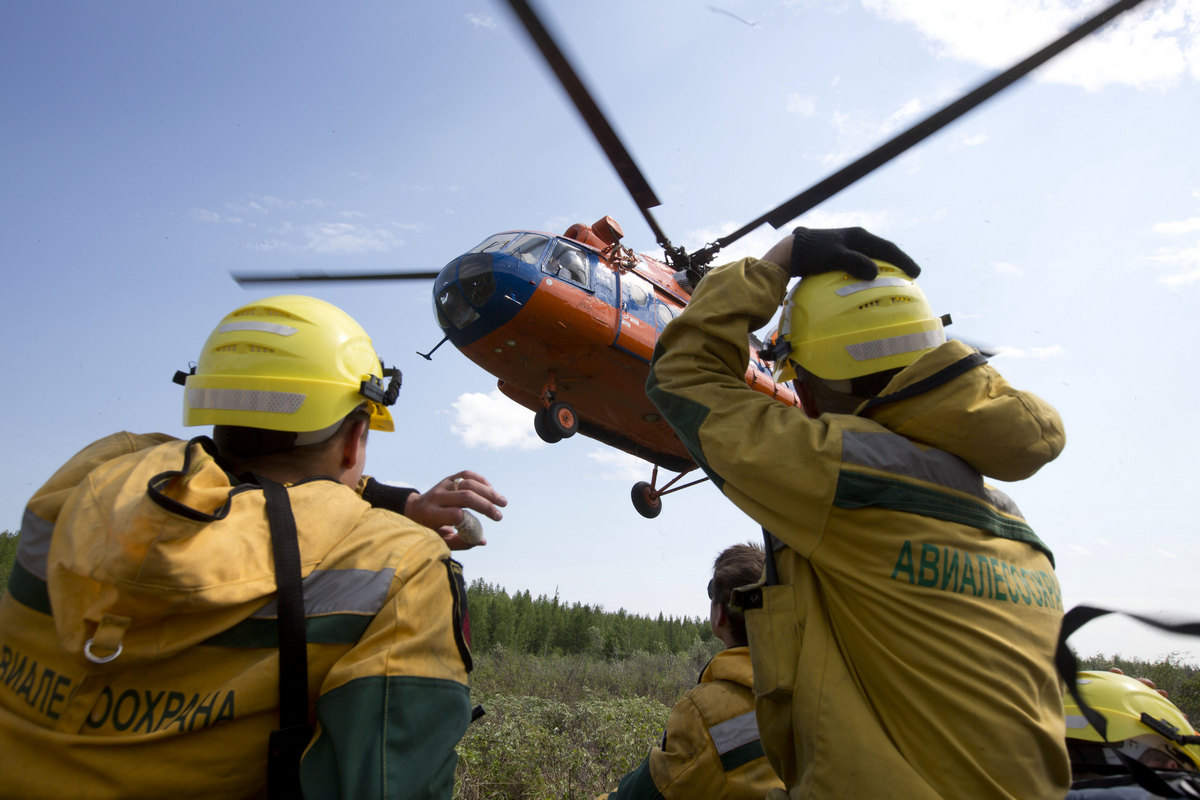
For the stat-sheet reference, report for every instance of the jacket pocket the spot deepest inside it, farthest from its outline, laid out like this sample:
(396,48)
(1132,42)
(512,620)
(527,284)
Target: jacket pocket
(774,633)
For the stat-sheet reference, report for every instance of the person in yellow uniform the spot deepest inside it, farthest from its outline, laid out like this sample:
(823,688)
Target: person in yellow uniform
(228,616)
(1147,749)
(711,749)
(903,640)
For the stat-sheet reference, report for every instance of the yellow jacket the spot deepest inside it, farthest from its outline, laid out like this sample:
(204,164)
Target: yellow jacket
(907,650)
(143,542)
(711,749)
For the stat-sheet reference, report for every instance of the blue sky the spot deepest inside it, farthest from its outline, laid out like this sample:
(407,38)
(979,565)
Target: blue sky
(152,148)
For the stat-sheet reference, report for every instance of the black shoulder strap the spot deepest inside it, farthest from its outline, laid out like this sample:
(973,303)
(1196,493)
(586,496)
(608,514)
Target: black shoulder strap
(287,744)
(945,375)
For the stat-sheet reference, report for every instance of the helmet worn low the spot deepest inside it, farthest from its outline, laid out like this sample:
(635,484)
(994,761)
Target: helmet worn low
(1138,720)
(839,327)
(288,363)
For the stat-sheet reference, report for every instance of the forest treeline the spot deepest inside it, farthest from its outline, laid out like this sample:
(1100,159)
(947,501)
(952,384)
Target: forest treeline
(520,623)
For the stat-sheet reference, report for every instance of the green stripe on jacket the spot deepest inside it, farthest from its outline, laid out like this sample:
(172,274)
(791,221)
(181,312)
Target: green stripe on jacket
(388,737)
(28,589)
(856,490)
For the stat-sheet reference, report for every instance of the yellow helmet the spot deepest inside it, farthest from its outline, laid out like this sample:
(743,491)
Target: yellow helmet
(287,363)
(1138,720)
(839,327)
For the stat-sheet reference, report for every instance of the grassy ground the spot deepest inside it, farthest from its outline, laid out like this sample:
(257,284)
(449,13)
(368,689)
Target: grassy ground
(567,726)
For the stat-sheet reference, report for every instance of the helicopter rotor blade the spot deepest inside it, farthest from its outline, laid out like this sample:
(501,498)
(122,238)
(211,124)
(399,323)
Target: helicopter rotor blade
(261,277)
(822,191)
(635,182)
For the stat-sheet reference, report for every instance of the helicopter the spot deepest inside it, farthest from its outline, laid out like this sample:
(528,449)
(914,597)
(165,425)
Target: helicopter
(567,323)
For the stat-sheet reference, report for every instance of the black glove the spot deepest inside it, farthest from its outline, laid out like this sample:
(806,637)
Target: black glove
(845,249)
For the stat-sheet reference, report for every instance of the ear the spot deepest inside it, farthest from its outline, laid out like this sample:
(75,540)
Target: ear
(722,619)
(351,443)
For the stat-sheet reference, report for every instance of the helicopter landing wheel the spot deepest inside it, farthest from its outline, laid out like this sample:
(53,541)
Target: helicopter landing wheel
(646,500)
(544,428)
(562,419)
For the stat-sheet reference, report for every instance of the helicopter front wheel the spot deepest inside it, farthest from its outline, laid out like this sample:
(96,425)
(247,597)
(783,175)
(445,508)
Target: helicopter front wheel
(646,500)
(544,428)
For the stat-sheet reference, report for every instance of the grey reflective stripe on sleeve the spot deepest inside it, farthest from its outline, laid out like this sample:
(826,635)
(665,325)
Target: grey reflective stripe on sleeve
(891,452)
(734,733)
(33,549)
(895,345)
(261,327)
(339,591)
(245,400)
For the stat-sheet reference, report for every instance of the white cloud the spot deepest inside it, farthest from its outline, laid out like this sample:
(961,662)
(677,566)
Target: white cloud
(761,239)
(901,117)
(1178,228)
(1004,268)
(493,422)
(1182,260)
(973,139)
(286,231)
(878,222)
(329,238)
(1153,46)
(802,105)
(857,132)
(1040,353)
(268,204)
(204,215)
(1185,260)
(481,20)
(619,466)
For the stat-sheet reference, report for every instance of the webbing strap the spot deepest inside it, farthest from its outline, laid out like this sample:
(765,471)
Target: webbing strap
(944,375)
(288,742)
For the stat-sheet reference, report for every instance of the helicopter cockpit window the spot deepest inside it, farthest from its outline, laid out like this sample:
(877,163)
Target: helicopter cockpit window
(494,244)
(530,248)
(569,263)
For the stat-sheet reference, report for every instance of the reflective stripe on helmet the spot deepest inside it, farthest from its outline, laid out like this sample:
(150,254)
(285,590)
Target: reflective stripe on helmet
(895,345)
(245,400)
(262,327)
(877,283)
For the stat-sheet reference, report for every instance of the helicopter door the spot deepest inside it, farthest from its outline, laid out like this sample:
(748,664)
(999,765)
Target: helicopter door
(638,319)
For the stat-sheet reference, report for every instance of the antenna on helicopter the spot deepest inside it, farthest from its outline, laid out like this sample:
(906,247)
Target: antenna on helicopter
(429,356)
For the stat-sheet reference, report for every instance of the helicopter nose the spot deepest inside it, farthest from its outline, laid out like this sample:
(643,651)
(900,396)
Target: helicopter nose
(463,286)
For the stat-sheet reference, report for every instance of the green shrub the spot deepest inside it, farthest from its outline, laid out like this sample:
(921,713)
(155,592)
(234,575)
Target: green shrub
(568,726)
(532,747)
